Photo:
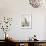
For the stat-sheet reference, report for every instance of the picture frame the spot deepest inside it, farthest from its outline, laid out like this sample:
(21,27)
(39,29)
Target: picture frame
(26,21)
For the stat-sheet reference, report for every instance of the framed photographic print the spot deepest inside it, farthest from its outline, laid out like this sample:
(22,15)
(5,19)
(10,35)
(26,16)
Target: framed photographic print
(26,21)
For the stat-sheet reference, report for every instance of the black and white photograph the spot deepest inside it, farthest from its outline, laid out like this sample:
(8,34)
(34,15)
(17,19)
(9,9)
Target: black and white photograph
(26,21)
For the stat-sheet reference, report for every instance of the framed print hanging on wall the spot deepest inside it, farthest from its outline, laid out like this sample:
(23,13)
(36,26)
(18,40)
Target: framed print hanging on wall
(26,21)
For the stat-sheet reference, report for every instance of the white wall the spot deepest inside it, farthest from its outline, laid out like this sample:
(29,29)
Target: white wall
(45,28)
(16,8)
